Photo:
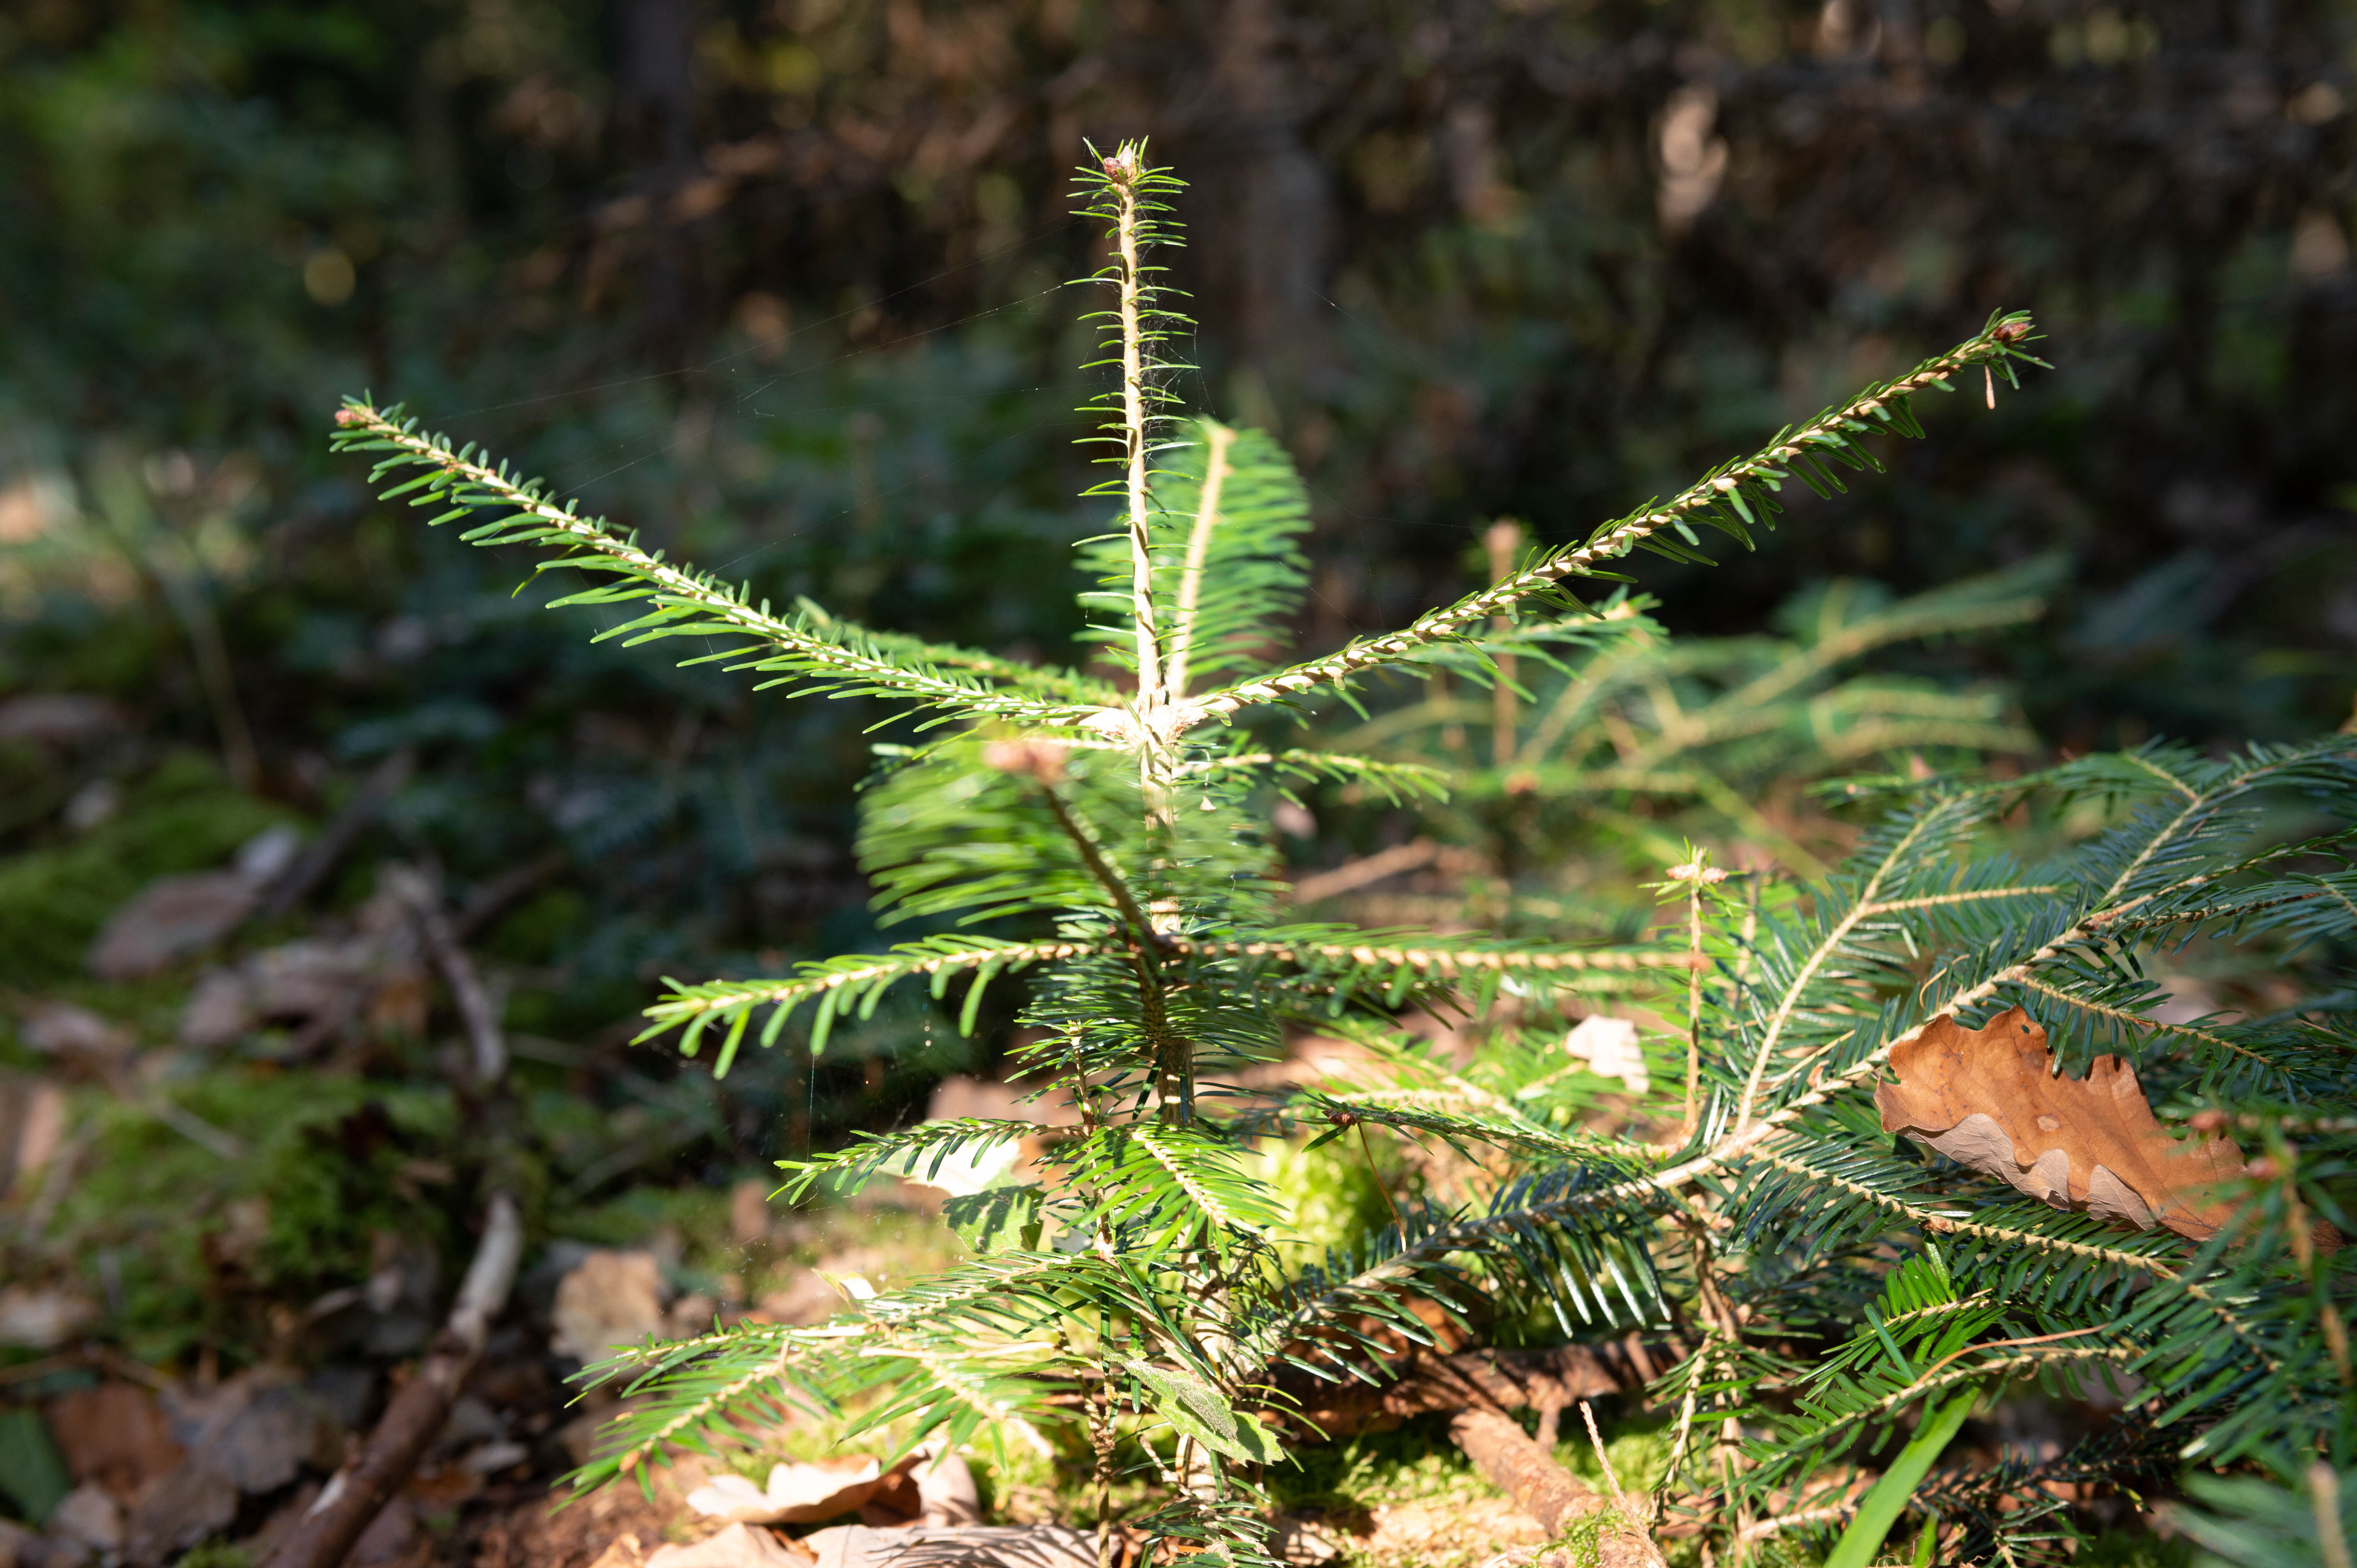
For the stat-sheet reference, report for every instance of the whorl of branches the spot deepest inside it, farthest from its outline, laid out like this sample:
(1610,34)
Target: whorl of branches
(1117,856)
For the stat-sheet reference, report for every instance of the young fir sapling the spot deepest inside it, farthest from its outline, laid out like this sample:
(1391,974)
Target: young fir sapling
(1103,838)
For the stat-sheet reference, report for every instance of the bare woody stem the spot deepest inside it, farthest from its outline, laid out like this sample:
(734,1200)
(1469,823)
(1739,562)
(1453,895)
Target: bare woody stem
(1133,417)
(1694,1004)
(1503,541)
(1174,1054)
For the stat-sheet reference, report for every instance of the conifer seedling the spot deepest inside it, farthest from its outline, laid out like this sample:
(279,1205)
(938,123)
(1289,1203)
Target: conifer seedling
(1824,1288)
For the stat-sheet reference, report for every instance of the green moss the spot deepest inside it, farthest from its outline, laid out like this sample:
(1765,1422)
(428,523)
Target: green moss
(329,1164)
(1414,1463)
(183,817)
(216,1555)
(1333,1194)
(1639,1449)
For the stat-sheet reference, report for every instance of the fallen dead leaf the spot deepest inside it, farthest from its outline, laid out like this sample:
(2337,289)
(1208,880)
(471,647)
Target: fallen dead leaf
(532,1535)
(975,1546)
(796,1494)
(739,1546)
(42,1317)
(114,1435)
(168,919)
(610,1298)
(1991,1099)
(90,1515)
(1608,1046)
(62,1029)
(623,1552)
(947,1496)
(58,718)
(32,1125)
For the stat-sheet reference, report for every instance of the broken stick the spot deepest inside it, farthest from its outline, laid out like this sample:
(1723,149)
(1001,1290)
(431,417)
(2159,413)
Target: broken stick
(489,1047)
(311,867)
(359,1492)
(1509,1460)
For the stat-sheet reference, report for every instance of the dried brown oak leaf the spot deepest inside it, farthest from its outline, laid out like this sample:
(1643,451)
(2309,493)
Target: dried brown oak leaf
(1990,1099)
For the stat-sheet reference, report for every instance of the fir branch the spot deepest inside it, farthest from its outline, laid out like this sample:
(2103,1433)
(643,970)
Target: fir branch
(2123,1017)
(1393,781)
(828,655)
(1125,192)
(1967,607)
(1862,908)
(1734,498)
(1935,1222)
(856,980)
(1438,956)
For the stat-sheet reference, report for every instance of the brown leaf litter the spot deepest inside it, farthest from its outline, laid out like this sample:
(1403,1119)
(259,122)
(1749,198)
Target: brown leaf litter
(1992,1099)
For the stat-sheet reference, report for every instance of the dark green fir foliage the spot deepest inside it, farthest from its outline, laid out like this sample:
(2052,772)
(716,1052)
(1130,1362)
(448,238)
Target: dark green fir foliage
(1599,720)
(1106,842)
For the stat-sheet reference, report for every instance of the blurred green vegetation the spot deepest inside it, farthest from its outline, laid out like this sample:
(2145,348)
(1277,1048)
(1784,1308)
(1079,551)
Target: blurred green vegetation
(181,816)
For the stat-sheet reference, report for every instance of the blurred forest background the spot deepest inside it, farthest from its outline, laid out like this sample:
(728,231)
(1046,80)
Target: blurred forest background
(780,284)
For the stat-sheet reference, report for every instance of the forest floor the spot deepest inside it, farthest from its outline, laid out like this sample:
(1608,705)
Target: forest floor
(245,1143)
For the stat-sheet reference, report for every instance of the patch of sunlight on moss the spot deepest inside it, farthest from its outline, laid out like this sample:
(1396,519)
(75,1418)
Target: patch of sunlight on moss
(327,1164)
(1415,1463)
(1332,1193)
(1639,1448)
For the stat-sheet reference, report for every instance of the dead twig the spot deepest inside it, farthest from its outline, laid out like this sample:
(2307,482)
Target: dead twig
(1542,1488)
(1348,877)
(490,1049)
(1619,1497)
(321,856)
(358,1492)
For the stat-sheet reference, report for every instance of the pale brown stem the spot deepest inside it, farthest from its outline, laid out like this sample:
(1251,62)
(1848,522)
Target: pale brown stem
(1133,418)
(1619,1497)
(1503,541)
(1693,1003)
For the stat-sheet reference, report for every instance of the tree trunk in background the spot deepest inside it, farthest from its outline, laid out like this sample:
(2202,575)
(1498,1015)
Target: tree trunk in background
(1276,211)
(654,130)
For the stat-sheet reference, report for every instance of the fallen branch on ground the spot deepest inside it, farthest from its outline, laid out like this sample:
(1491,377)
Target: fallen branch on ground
(356,1493)
(359,1491)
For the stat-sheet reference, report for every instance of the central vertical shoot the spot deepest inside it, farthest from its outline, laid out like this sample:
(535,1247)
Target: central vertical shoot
(1123,171)
(1124,192)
